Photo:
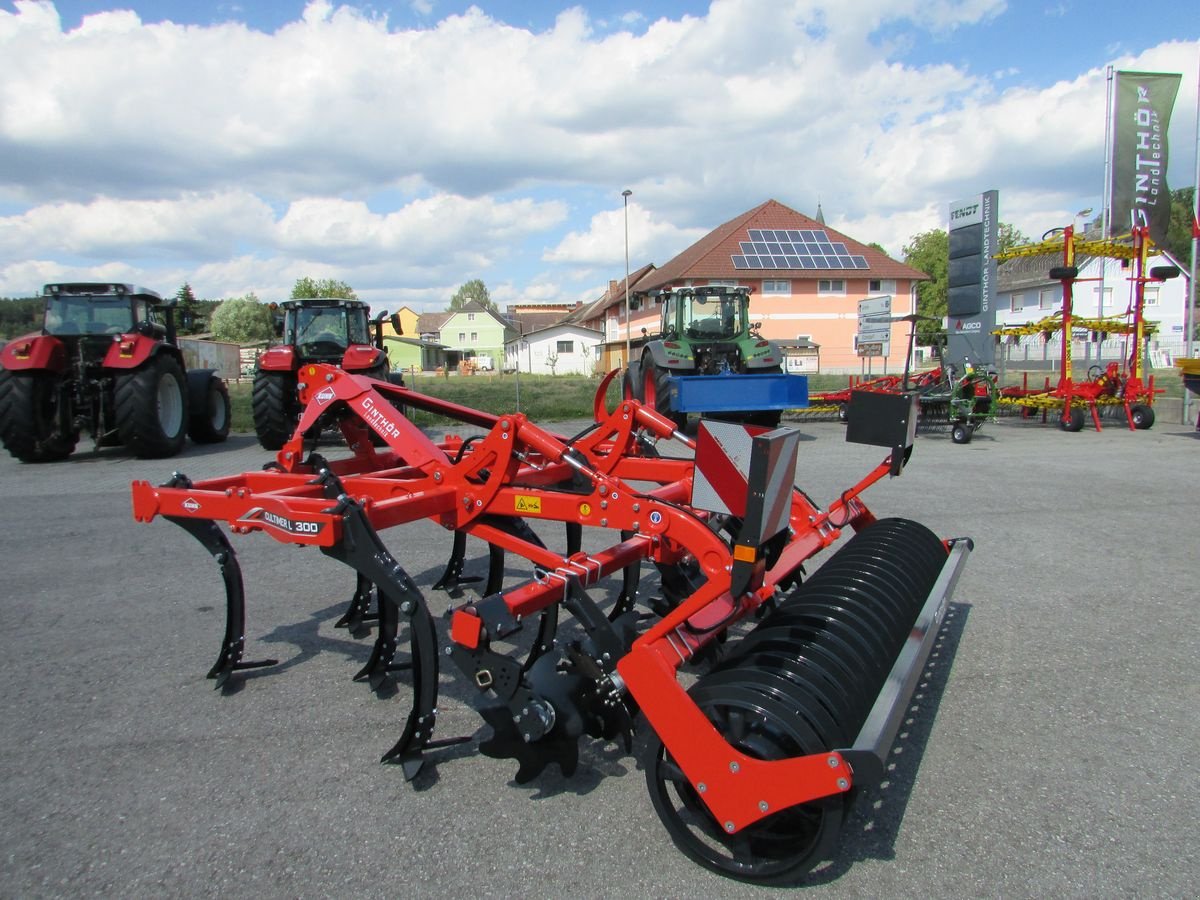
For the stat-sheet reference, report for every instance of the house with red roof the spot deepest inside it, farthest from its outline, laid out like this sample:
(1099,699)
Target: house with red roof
(806,279)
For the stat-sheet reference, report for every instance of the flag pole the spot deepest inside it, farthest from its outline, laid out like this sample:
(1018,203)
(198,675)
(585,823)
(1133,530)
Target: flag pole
(1189,318)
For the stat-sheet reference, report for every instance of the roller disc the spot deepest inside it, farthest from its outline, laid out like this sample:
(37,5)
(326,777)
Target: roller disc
(777,850)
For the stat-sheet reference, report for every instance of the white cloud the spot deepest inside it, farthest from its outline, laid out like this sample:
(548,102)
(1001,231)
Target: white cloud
(406,161)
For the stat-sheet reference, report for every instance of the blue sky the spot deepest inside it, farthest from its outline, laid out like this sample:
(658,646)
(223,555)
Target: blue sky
(407,147)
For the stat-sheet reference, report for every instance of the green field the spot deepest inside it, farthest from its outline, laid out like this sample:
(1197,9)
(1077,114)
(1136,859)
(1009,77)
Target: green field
(554,398)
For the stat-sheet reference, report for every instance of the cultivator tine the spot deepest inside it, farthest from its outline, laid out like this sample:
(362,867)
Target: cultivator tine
(362,550)
(229,660)
(631,577)
(358,615)
(452,578)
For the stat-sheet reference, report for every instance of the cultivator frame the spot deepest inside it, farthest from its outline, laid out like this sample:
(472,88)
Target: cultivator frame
(757,756)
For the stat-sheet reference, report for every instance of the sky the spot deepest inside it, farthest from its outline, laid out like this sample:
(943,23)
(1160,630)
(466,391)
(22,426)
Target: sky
(406,148)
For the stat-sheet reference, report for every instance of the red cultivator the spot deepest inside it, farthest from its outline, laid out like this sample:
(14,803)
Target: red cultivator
(755,764)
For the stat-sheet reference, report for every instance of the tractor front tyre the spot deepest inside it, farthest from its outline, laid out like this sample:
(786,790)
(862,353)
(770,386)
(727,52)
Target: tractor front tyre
(151,407)
(210,411)
(656,389)
(29,417)
(1142,416)
(273,401)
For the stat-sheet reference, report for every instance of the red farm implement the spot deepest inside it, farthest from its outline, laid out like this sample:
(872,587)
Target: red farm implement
(797,686)
(1121,385)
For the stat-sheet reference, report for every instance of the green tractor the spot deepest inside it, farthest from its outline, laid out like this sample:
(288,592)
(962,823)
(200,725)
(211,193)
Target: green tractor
(706,331)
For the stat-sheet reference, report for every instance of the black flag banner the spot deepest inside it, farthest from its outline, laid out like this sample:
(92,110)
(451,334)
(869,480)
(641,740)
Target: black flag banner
(1140,195)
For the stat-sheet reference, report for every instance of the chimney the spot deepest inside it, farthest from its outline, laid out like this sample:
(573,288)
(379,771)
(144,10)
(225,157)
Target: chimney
(612,288)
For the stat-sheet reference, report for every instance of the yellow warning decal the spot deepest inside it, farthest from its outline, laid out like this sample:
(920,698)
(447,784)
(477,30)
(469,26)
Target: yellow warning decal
(585,509)
(527,504)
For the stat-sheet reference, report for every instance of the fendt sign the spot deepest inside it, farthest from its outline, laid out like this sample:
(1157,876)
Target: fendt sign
(971,304)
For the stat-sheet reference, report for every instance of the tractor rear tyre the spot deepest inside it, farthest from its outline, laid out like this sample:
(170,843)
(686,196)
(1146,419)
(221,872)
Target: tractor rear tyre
(210,412)
(29,417)
(1142,415)
(275,407)
(151,406)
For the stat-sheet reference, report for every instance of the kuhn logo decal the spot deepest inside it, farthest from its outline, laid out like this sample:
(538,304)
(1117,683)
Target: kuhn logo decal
(191,504)
(325,395)
(291,526)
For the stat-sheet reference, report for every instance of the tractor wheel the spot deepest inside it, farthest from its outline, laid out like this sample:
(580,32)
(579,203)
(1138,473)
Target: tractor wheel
(1142,415)
(631,382)
(275,407)
(210,413)
(29,418)
(151,405)
(656,388)
(1073,419)
(961,433)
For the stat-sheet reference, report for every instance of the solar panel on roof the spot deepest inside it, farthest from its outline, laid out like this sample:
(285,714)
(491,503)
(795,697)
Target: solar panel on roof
(794,249)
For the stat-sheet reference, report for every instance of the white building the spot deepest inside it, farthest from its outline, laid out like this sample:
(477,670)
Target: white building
(562,349)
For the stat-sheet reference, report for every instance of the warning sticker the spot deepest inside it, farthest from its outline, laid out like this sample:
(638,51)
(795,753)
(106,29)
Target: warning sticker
(527,504)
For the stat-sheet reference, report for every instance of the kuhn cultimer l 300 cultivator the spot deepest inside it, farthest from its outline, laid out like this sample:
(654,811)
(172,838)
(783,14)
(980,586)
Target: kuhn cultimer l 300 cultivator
(786,718)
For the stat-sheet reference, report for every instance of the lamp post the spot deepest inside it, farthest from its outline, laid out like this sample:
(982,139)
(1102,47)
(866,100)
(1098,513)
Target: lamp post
(625,194)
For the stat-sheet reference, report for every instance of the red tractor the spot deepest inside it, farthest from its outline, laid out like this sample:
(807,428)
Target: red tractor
(314,330)
(105,362)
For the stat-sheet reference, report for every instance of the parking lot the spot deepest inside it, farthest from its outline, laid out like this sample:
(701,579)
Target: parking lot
(1051,752)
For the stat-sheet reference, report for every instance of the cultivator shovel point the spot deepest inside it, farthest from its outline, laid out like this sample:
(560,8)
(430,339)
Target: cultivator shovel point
(798,684)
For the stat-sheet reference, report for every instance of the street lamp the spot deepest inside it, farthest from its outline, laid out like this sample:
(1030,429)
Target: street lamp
(626,193)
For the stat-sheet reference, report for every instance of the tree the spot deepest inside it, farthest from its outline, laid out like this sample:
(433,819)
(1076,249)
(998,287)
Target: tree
(1179,232)
(473,291)
(306,288)
(187,311)
(1011,236)
(20,315)
(930,253)
(242,320)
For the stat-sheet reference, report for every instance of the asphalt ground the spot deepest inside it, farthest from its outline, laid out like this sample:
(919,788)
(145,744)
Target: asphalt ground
(1051,750)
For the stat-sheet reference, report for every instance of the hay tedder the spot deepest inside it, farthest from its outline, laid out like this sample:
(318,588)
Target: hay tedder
(772,697)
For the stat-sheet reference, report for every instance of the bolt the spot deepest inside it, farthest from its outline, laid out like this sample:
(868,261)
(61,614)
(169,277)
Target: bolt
(437,476)
(604,523)
(637,507)
(843,784)
(833,762)
(406,606)
(729,827)
(328,378)
(762,806)
(449,650)
(702,787)
(604,504)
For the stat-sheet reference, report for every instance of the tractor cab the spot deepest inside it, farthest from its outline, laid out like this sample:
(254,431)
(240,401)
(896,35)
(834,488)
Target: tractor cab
(324,329)
(709,313)
(73,310)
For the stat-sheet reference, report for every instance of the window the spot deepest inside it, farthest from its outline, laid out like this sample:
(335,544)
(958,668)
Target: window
(565,347)
(474,336)
(881,286)
(831,286)
(717,282)
(777,287)
(462,337)
(1151,296)
(470,317)
(1017,303)
(1046,298)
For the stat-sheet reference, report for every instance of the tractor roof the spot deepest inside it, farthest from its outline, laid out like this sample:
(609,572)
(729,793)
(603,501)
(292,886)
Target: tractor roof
(98,289)
(322,302)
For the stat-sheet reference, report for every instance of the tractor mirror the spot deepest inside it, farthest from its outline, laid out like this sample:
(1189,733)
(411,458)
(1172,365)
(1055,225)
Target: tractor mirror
(278,327)
(396,326)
